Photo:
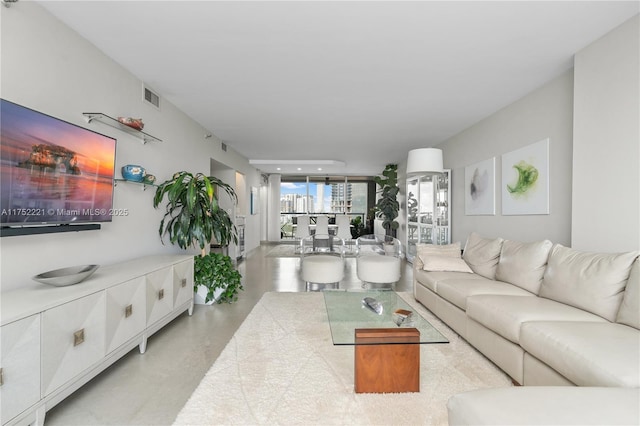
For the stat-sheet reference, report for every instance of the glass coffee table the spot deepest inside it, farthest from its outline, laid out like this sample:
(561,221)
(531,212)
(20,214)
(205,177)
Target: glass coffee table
(387,345)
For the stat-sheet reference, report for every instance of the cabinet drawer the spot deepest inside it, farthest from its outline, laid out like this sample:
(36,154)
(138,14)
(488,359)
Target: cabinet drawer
(159,294)
(20,364)
(73,339)
(182,282)
(126,312)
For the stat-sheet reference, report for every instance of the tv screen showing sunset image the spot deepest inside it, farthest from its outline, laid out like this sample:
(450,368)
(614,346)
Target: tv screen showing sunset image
(52,171)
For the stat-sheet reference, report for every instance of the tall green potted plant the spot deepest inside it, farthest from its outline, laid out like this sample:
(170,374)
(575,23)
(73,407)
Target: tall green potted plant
(387,207)
(193,218)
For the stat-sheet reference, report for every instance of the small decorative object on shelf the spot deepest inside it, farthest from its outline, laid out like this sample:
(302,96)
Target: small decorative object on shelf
(133,173)
(133,127)
(135,123)
(149,179)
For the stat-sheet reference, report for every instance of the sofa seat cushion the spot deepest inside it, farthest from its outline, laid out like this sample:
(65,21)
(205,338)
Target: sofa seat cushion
(458,290)
(430,279)
(545,405)
(445,264)
(586,353)
(504,315)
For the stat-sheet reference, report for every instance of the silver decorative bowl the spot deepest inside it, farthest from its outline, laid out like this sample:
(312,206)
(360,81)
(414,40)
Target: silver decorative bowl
(66,276)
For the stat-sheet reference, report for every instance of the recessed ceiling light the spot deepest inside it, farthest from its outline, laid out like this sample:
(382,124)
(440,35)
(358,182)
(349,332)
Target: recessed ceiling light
(319,169)
(303,162)
(278,168)
(299,168)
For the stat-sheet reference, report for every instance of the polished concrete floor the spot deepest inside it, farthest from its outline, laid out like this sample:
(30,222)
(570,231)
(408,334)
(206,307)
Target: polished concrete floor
(150,389)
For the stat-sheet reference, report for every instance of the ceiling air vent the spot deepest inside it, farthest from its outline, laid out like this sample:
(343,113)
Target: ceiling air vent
(151,97)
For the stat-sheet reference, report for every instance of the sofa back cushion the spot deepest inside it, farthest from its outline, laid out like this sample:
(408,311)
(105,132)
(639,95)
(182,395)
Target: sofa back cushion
(594,282)
(523,264)
(425,250)
(482,255)
(629,313)
(450,250)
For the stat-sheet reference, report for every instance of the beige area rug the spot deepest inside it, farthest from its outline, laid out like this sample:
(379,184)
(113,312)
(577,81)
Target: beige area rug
(281,367)
(288,250)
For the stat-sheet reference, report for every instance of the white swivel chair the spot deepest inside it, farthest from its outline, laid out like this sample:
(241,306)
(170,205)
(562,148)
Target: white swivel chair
(344,229)
(320,264)
(302,229)
(378,260)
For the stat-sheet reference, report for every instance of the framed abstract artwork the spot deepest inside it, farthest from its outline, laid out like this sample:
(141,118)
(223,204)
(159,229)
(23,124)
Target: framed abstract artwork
(525,180)
(480,188)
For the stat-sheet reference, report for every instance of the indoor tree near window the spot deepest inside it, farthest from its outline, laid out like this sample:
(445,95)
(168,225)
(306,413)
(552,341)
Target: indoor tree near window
(387,207)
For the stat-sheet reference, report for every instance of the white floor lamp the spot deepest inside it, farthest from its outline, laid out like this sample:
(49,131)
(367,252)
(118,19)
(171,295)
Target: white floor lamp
(428,161)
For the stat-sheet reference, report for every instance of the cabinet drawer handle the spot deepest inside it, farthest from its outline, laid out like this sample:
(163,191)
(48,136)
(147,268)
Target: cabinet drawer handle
(1,377)
(183,282)
(161,294)
(78,337)
(128,311)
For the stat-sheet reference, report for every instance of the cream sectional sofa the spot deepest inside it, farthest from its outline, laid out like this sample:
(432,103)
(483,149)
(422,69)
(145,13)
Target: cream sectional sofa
(546,405)
(545,314)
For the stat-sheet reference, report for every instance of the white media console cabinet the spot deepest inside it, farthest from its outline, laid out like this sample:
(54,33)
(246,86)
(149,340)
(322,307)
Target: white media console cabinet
(56,339)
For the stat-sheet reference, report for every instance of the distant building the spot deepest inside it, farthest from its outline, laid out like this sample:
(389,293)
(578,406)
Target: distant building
(294,203)
(332,198)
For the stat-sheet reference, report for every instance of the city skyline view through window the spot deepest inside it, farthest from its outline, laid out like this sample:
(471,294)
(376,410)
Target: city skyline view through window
(309,196)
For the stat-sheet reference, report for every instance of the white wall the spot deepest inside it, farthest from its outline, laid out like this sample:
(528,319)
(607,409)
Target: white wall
(592,117)
(48,67)
(606,147)
(544,113)
(233,162)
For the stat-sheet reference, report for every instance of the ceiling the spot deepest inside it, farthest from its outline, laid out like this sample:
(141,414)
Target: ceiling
(353,85)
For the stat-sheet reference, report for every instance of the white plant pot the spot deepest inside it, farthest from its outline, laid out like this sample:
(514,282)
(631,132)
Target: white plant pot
(200,296)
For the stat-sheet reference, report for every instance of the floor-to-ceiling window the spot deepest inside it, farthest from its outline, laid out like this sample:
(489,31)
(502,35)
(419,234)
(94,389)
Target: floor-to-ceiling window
(322,195)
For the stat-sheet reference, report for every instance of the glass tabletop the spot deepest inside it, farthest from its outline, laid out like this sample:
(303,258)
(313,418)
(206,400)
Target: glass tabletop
(347,312)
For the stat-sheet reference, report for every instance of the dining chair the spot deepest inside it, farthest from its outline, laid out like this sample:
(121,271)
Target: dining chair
(322,231)
(344,229)
(322,225)
(302,230)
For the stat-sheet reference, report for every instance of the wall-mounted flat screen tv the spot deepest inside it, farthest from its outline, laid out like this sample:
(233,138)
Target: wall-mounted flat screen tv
(52,171)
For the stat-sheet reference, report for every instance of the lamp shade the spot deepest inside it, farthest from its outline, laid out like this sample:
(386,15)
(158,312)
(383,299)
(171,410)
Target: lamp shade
(424,160)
